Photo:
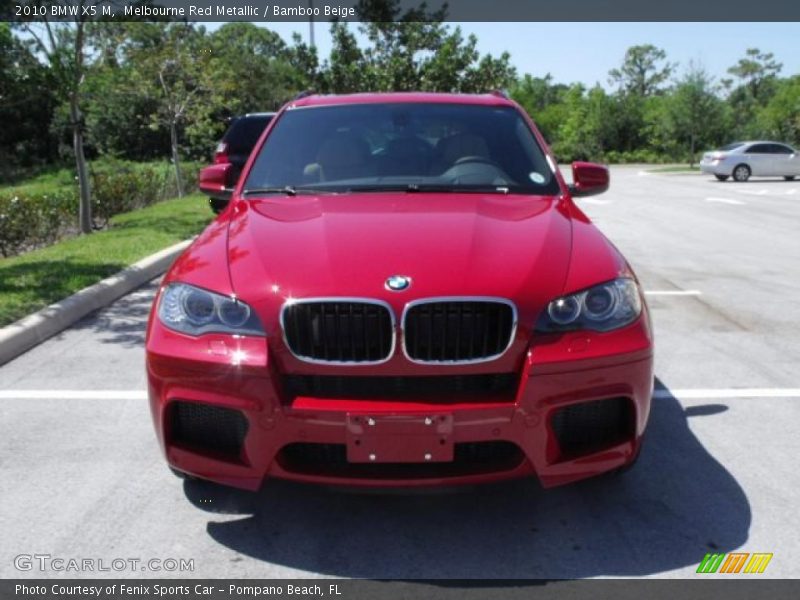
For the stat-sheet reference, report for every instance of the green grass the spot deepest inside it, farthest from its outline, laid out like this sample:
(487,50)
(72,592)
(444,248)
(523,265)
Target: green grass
(38,278)
(675,169)
(57,179)
(48,182)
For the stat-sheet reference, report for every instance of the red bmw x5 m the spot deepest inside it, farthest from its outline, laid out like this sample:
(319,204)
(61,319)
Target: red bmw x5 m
(401,292)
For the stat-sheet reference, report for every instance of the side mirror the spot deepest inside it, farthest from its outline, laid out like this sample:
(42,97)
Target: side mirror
(213,182)
(588,179)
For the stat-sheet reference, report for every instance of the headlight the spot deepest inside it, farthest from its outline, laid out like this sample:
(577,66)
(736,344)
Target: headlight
(603,307)
(195,311)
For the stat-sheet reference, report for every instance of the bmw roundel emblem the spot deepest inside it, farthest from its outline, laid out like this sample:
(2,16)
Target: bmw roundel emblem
(398,283)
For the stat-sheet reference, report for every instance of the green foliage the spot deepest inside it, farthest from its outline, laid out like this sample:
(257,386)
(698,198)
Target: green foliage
(780,118)
(37,278)
(756,74)
(34,219)
(696,115)
(757,70)
(42,211)
(648,121)
(644,70)
(642,156)
(154,90)
(544,102)
(121,186)
(27,99)
(409,51)
(119,117)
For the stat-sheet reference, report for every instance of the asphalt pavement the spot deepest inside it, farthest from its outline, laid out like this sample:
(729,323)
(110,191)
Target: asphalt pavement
(81,476)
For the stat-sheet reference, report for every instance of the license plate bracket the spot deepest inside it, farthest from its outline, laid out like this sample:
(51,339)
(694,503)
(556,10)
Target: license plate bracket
(399,438)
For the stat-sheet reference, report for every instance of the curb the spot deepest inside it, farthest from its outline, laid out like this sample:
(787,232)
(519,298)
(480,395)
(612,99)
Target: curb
(22,335)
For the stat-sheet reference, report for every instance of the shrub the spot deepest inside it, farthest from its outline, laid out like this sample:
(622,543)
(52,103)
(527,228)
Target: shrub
(34,220)
(641,155)
(118,188)
(122,186)
(38,213)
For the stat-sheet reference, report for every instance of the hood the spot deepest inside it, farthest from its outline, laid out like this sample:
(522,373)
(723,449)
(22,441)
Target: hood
(515,247)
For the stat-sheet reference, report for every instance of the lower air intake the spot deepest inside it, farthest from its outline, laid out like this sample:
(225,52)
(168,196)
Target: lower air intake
(593,426)
(490,387)
(207,429)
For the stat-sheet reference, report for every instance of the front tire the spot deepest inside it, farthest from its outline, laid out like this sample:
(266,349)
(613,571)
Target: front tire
(722,177)
(741,173)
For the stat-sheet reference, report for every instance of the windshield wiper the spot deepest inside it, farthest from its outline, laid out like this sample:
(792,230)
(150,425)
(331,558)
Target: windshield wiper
(288,190)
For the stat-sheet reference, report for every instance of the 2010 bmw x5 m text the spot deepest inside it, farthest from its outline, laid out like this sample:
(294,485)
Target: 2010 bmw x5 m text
(401,292)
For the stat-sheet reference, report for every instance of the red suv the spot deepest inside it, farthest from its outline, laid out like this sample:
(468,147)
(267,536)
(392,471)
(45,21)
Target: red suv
(401,292)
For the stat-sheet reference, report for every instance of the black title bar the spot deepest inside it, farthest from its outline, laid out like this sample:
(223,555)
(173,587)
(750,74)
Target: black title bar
(734,588)
(456,10)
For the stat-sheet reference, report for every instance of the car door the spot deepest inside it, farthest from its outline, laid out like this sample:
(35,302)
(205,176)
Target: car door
(779,160)
(758,157)
(786,160)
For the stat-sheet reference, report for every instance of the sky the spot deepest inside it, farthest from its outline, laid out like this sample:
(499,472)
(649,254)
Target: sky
(585,52)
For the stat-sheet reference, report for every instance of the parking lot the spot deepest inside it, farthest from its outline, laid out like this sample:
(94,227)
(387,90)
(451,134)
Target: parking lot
(82,477)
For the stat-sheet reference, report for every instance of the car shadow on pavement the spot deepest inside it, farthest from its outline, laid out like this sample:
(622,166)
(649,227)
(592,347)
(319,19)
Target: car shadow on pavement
(675,505)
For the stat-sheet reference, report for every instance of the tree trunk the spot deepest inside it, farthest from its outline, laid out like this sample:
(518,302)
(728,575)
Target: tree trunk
(691,151)
(85,205)
(173,134)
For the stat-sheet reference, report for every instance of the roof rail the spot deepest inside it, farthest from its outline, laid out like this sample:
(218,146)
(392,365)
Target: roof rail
(500,93)
(304,94)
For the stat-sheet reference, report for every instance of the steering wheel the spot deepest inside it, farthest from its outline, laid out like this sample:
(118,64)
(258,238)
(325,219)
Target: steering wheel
(481,160)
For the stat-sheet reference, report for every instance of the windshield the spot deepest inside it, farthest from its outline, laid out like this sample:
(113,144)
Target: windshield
(402,147)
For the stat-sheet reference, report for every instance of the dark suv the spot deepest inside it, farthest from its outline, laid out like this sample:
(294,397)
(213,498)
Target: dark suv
(234,149)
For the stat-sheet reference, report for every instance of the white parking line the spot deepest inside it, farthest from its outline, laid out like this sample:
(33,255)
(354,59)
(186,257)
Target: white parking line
(73,394)
(673,293)
(749,192)
(723,200)
(722,393)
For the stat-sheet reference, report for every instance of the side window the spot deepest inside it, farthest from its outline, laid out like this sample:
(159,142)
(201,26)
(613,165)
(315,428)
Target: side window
(758,149)
(244,133)
(781,149)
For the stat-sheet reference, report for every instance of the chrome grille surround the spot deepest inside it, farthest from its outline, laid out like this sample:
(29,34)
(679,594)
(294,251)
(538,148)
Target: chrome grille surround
(454,300)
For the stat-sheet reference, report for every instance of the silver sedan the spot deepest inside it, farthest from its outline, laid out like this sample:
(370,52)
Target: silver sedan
(741,160)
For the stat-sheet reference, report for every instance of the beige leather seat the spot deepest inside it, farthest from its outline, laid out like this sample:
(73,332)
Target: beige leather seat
(343,156)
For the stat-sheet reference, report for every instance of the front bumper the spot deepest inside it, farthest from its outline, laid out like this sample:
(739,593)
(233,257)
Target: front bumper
(311,439)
